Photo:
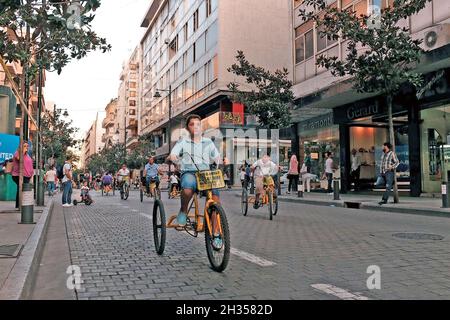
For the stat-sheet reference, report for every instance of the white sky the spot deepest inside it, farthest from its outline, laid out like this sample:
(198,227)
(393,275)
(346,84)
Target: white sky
(86,86)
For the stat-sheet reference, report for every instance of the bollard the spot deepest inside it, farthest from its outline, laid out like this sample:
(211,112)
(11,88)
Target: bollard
(27,209)
(40,190)
(444,189)
(300,189)
(336,190)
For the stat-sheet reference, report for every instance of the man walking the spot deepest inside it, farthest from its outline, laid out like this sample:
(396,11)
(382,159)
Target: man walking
(67,184)
(50,179)
(329,169)
(389,162)
(356,169)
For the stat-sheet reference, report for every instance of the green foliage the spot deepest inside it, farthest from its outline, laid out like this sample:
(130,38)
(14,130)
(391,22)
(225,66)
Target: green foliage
(270,96)
(48,38)
(57,136)
(380,58)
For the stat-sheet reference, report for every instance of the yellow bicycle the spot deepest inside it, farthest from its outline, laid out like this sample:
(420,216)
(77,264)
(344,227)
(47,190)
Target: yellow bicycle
(268,198)
(212,220)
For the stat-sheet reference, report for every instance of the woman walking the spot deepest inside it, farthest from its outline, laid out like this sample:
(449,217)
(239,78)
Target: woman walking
(293,174)
(28,170)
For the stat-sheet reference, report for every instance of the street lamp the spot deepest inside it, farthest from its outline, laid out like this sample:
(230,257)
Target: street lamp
(157,95)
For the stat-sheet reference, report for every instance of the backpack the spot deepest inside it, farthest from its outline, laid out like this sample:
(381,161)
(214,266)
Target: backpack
(60,172)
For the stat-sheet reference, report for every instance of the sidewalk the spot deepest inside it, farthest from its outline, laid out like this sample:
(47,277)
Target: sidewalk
(422,205)
(20,247)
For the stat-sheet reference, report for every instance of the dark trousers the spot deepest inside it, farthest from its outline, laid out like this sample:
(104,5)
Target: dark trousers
(389,180)
(293,182)
(330,182)
(16,180)
(67,192)
(354,176)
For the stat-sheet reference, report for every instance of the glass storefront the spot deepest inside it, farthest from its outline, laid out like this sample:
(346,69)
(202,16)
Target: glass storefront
(316,143)
(435,146)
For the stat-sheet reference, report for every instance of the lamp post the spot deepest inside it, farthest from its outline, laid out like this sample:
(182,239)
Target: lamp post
(169,124)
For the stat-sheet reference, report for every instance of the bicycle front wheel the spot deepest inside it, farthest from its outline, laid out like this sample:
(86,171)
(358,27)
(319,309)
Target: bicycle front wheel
(218,256)
(270,204)
(127,193)
(159,227)
(141,195)
(244,202)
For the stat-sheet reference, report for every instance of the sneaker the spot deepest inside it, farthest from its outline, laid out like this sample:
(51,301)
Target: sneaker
(65,205)
(287,192)
(217,242)
(331,193)
(181,219)
(382,202)
(255,205)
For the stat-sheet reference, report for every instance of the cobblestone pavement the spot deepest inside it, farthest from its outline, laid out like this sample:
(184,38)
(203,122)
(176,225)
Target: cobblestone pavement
(307,246)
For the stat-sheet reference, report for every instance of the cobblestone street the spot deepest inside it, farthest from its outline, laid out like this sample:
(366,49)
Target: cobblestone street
(301,254)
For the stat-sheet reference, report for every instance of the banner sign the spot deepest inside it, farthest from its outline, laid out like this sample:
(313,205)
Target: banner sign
(8,145)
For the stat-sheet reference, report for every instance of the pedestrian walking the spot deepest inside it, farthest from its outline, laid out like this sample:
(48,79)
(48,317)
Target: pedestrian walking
(293,174)
(28,170)
(355,169)
(389,162)
(67,184)
(50,178)
(329,170)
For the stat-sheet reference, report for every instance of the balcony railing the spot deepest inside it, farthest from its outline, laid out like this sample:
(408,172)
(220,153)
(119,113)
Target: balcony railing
(107,122)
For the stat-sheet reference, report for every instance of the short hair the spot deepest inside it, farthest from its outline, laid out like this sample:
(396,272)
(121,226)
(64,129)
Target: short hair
(328,153)
(388,144)
(191,117)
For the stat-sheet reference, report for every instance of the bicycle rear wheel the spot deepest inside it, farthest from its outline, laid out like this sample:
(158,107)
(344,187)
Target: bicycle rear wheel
(141,195)
(244,202)
(159,227)
(275,206)
(271,205)
(218,257)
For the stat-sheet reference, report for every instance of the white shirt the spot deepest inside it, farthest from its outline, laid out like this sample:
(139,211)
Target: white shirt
(265,169)
(50,176)
(173,179)
(242,175)
(329,166)
(356,162)
(203,153)
(123,173)
(66,169)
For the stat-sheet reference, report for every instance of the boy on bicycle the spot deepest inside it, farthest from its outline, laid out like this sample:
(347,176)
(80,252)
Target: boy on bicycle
(204,153)
(123,175)
(262,167)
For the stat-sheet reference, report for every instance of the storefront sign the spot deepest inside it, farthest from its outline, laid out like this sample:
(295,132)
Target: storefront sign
(8,145)
(355,111)
(232,118)
(316,123)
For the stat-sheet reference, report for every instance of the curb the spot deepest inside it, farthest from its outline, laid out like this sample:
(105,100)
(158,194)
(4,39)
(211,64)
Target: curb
(369,206)
(20,280)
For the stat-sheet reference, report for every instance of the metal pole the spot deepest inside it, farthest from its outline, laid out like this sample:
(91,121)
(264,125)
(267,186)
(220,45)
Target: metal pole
(336,189)
(444,189)
(169,127)
(300,188)
(40,184)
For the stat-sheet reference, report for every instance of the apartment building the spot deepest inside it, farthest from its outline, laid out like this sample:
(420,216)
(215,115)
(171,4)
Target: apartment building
(93,141)
(188,46)
(330,116)
(109,124)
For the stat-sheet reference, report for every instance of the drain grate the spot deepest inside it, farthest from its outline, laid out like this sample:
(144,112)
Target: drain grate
(10,251)
(418,236)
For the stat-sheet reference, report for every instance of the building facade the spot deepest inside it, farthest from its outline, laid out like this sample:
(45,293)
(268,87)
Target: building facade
(93,141)
(186,51)
(331,116)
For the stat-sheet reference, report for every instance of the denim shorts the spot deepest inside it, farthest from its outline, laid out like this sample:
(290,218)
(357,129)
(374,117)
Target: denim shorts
(189,181)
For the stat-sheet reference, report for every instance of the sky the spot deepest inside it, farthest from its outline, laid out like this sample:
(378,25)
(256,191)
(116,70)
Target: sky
(86,86)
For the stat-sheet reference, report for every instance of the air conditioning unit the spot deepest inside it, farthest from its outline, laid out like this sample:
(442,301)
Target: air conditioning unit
(434,37)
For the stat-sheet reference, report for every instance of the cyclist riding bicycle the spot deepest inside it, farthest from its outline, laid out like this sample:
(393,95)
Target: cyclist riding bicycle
(123,175)
(151,172)
(261,168)
(107,180)
(203,152)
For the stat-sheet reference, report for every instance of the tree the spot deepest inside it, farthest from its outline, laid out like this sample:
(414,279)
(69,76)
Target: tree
(109,159)
(138,157)
(271,96)
(381,55)
(57,135)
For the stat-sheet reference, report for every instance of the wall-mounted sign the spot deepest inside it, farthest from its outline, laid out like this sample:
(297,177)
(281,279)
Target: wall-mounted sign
(316,123)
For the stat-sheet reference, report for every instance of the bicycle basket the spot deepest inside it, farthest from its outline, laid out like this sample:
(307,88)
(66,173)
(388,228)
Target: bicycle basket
(268,181)
(207,180)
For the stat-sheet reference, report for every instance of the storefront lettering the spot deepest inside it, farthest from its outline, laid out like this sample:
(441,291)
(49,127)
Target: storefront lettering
(355,113)
(231,118)
(317,124)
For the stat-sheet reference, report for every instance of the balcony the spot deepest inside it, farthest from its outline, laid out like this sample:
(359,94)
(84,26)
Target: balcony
(132,142)
(132,124)
(108,122)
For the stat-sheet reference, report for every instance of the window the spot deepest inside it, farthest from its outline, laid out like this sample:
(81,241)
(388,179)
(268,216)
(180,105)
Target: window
(190,56)
(195,82)
(190,27)
(196,24)
(175,71)
(185,62)
(132,103)
(208,8)
(132,112)
(201,78)
(200,47)
(133,94)
(300,49)
(185,33)
(211,36)
(180,67)
(173,48)
(189,87)
(132,85)
(202,13)
(309,44)
(184,91)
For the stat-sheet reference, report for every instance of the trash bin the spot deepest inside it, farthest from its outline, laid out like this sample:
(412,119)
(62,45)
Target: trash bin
(8,188)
